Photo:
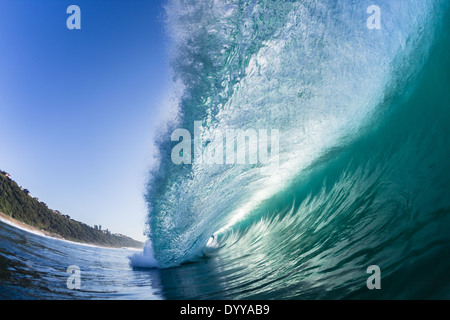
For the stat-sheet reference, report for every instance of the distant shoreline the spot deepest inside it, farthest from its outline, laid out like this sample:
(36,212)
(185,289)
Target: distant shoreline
(20,225)
(23,226)
(20,209)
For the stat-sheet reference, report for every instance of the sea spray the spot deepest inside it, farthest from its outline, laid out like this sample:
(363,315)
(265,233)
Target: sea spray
(145,259)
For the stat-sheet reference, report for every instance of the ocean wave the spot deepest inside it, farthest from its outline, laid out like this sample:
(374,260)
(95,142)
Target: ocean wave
(312,70)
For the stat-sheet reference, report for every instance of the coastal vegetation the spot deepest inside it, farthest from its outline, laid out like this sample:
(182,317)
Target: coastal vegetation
(18,203)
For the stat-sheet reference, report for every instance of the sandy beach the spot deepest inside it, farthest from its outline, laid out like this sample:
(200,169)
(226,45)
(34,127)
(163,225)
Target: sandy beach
(18,224)
(23,226)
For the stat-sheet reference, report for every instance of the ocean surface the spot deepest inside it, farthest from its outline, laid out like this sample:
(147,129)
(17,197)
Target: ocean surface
(363,176)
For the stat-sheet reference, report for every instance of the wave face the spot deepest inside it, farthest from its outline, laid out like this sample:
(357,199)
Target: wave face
(363,174)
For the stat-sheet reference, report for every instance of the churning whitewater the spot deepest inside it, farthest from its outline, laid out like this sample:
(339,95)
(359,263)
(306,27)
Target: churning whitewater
(361,177)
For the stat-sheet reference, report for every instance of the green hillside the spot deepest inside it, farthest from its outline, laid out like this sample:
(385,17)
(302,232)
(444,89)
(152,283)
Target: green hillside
(19,204)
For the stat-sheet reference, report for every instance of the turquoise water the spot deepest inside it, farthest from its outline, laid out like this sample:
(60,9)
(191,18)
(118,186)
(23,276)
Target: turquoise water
(363,176)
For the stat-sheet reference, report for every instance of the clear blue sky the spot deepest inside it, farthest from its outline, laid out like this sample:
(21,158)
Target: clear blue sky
(78,107)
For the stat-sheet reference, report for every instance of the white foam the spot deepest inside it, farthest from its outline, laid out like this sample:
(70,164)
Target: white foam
(144,259)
